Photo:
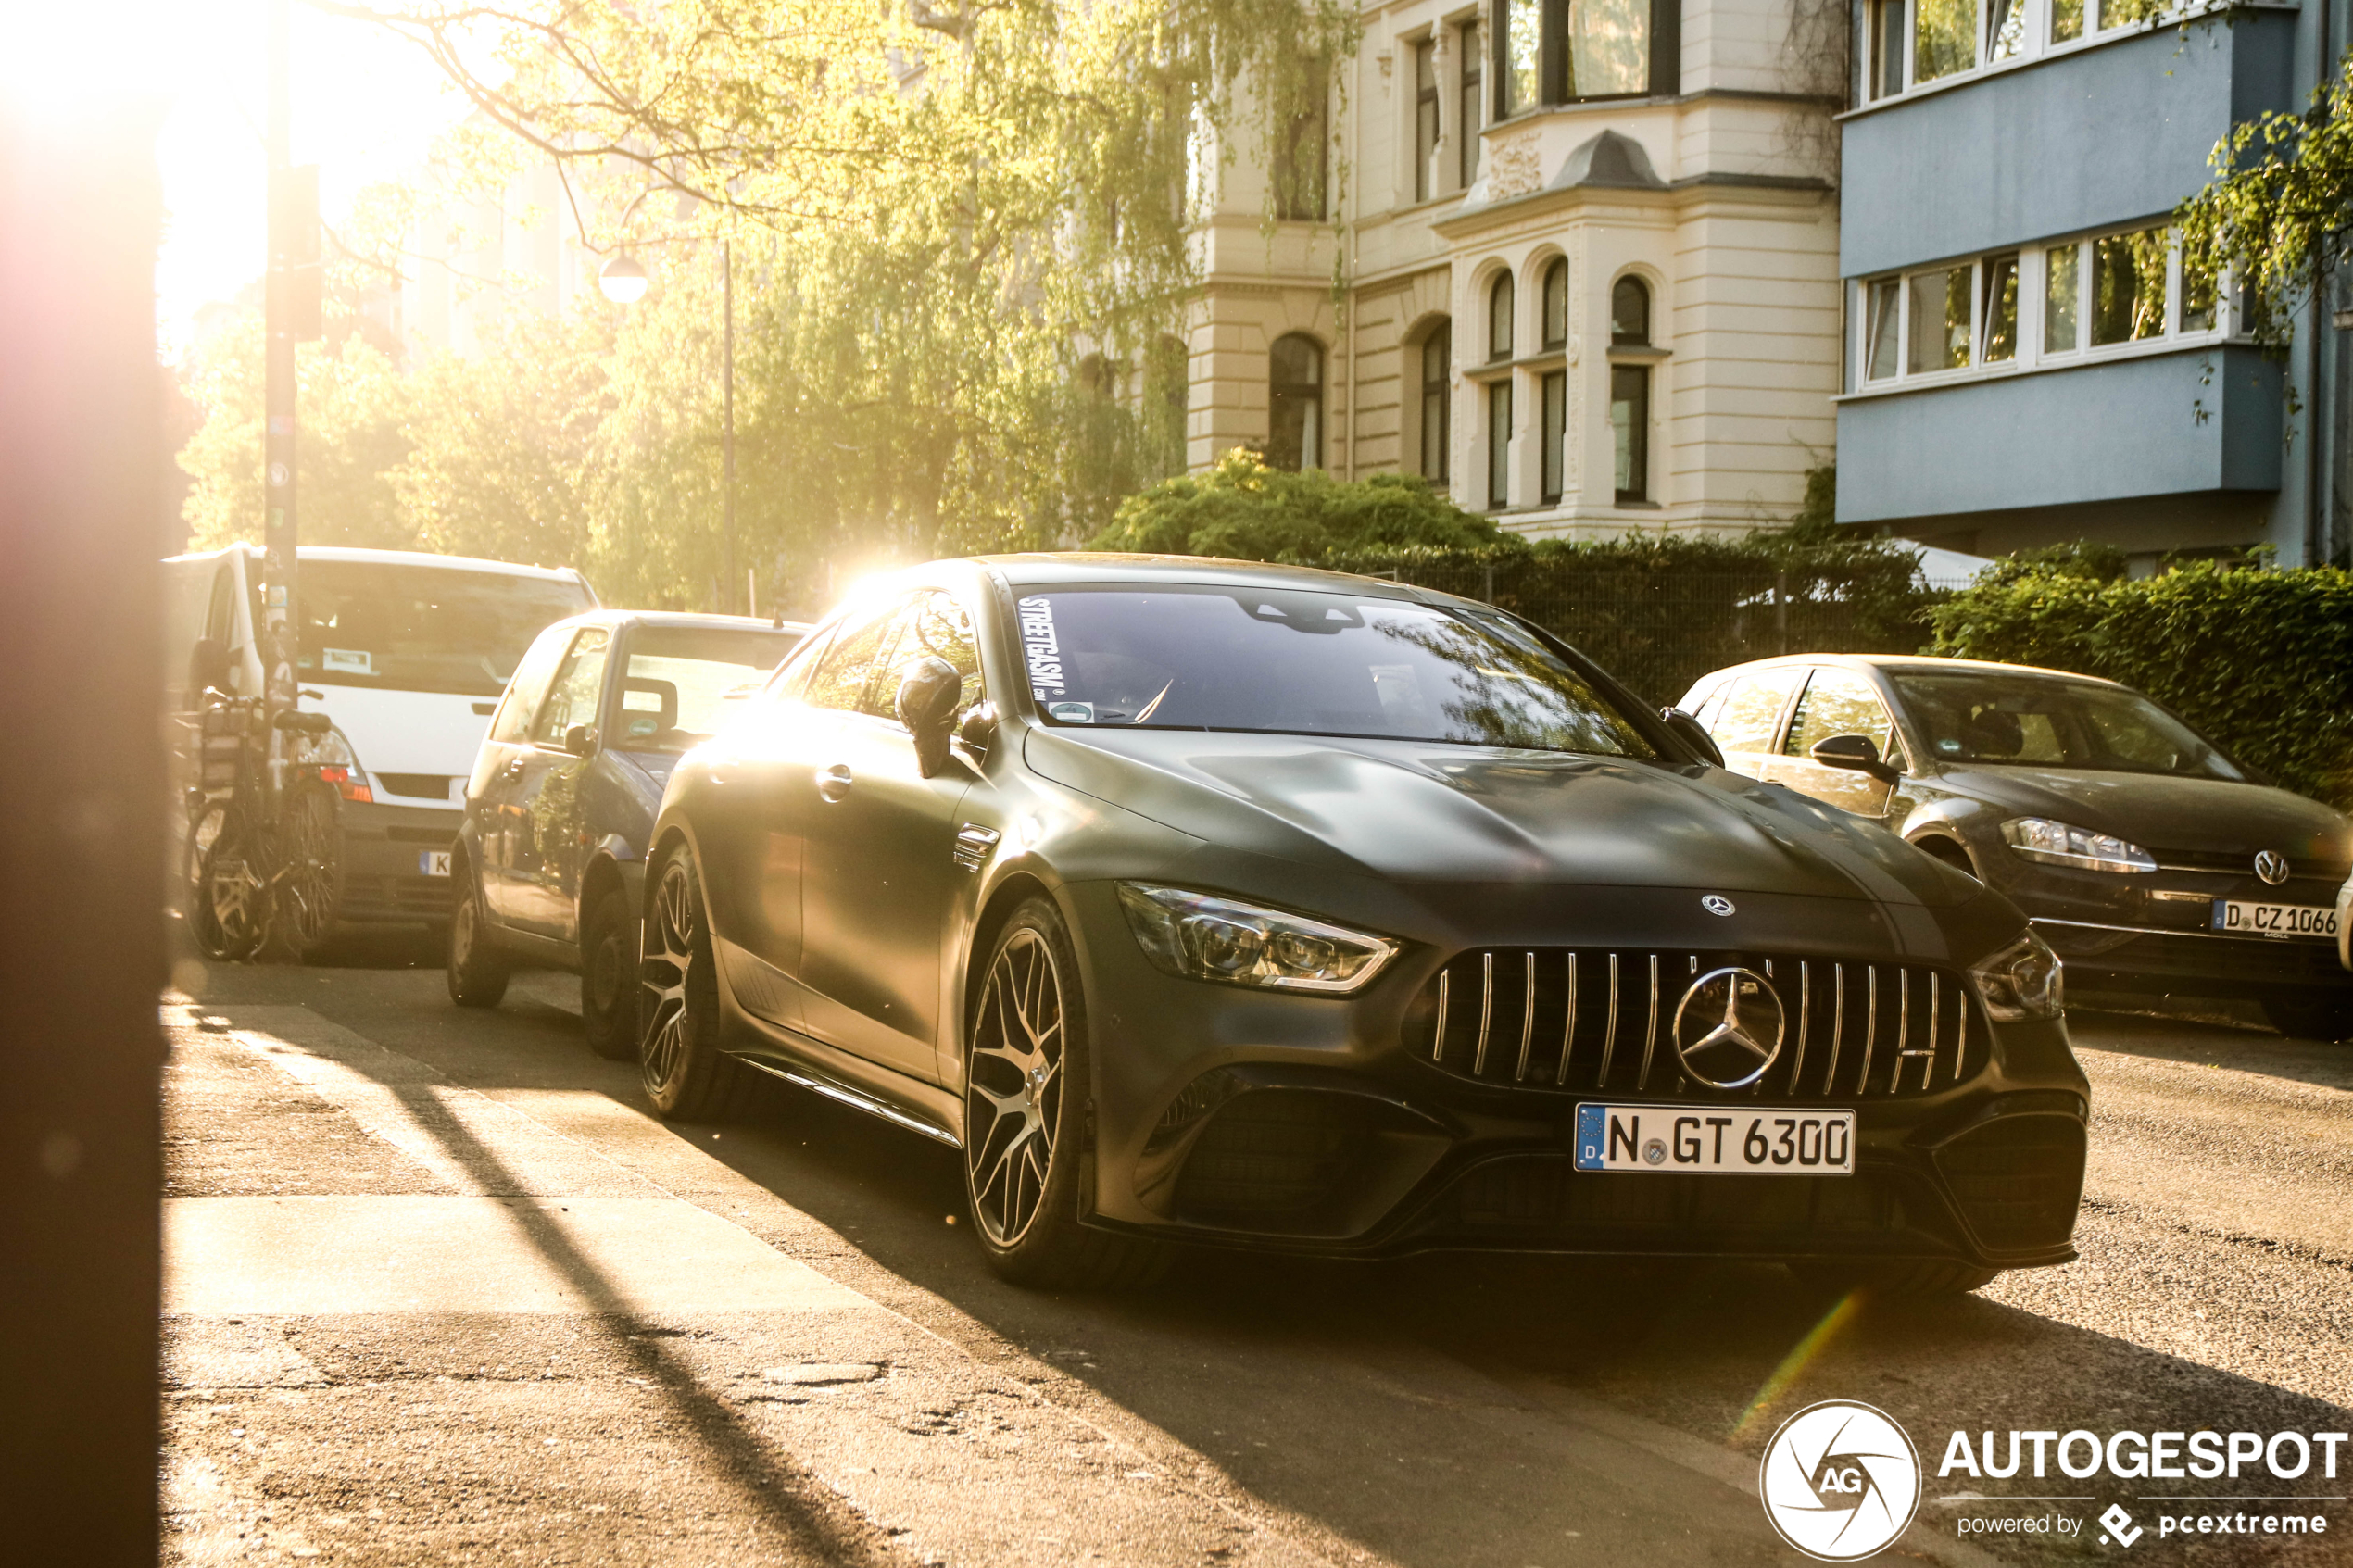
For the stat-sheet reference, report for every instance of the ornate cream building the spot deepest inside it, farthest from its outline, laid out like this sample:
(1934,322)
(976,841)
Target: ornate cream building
(1590,266)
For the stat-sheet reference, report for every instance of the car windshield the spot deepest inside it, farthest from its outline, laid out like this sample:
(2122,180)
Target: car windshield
(1294,662)
(684,682)
(2039,721)
(424,628)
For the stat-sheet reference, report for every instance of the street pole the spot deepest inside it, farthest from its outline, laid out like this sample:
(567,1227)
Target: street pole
(727,449)
(278,395)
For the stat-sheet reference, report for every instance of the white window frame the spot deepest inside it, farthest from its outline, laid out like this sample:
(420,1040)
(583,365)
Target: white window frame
(2029,354)
(2036,17)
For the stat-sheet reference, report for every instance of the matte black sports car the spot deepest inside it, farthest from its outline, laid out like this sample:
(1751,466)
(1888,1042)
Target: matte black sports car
(2150,857)
(548,866)
(1262,907)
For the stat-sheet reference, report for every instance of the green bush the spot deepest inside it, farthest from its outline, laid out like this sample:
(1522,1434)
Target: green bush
(2262,661)
(1243,510)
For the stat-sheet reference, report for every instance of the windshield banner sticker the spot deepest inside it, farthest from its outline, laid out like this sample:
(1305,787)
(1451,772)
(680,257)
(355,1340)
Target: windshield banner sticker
(1043,649)
(349,661)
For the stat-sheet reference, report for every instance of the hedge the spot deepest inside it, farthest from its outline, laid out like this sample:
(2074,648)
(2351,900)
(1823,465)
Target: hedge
(2261,662)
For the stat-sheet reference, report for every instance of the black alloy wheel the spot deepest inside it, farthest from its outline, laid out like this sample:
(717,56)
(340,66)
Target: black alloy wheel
(478,970)
(685,1073)
(1025,1096)
(226,895)
(608,978)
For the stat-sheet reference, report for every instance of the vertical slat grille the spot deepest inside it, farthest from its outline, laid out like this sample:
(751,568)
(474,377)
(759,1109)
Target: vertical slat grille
(1850,1031)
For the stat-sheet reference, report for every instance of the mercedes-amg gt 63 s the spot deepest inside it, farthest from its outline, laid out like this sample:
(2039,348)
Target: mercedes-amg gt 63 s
(1251,906)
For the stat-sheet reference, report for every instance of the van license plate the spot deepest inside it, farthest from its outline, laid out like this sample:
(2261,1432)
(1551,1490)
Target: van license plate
(1705,1140)
(432,862)
(2236,919)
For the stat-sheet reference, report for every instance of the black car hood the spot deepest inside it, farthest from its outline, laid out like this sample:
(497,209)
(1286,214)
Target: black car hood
(2158,811)
(1415,811)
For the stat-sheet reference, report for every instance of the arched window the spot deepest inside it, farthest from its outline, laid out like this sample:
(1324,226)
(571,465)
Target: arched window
(1556,302)
(1499,318)
(1295,404)
(1438,402)
(1629,313)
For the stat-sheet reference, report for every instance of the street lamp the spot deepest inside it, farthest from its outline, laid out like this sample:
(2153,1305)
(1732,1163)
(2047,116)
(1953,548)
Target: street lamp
(623,280)
(624,283)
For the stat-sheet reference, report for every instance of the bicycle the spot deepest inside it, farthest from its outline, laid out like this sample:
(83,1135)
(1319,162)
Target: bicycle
(264,869)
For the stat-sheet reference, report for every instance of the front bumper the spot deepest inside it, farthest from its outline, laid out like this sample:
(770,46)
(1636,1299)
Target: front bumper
(383,879)
(1247,1118)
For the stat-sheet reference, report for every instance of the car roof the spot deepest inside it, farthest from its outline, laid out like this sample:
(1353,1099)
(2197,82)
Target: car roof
(1085,567)
(1896,663)
(405,557)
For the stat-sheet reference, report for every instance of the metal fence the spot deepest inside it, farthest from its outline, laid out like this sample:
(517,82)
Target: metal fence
(1659,632)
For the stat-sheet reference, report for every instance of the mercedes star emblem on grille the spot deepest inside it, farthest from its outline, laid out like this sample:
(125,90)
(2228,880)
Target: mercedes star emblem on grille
(1728,1028)
(1717,904)
(2272,866)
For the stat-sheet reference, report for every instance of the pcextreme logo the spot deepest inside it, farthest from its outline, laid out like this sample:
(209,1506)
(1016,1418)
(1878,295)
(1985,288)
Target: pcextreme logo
(1840,1480)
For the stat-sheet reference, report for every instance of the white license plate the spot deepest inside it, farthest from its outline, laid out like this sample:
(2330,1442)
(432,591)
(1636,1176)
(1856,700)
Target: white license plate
(432,862)
(1708,1140)
(2236,919)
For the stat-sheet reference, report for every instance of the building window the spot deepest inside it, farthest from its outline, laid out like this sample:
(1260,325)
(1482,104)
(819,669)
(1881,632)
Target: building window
(1300,170)
(1887,48)
(1609,48)
(1499,318)
(1916,42)
(1566,51)
(1630,424)
(1519,56)
(1424,120)
(1944,39)
(2005,30)
(2107,291)
(1437,364)
(1499,445)
(1555,431)
(1629,313)
(1295,404)
(1471,116)
(1557,303)
(2128,286)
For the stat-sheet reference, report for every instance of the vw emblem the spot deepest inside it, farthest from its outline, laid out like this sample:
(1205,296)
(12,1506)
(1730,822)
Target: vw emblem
(1717,904)
(1728,1028)
(2271,867)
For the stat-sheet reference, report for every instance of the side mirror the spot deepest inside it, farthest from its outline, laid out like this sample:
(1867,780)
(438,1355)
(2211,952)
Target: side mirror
(1690,732)
(581,739)
(1856,753)
(978,729)
(927,698)
(207,666)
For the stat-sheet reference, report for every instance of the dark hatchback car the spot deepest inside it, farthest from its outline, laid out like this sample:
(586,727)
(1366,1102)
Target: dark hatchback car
(550,861)
(2151,859)
(1262,906)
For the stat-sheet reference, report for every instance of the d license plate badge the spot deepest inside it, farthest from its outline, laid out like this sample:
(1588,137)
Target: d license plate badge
(432,862)
(2235,918)
(1708,1140)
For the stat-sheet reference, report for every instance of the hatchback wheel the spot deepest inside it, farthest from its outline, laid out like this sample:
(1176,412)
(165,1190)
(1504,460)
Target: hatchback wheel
(1026,1098)
(685,1073)
(478,970)
(609,978)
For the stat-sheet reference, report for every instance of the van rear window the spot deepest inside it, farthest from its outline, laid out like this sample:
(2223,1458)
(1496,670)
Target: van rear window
(424,628)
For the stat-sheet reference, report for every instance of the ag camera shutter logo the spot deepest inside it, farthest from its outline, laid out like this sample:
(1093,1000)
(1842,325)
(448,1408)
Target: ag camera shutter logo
(1840,1480)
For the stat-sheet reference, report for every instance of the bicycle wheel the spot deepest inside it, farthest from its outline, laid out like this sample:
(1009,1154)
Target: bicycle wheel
(225,894)
(310,878)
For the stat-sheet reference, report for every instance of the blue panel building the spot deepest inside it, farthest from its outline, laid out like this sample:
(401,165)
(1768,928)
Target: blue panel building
(2026,360)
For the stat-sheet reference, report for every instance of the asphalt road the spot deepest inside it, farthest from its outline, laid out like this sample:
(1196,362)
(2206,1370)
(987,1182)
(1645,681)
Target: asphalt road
(442,1290)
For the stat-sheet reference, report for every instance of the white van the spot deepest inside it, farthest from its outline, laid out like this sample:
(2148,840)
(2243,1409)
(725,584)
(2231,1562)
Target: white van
(408,654)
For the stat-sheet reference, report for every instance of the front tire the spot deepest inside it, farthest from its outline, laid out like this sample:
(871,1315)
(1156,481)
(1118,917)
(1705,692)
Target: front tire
(609,978)
(225,893)
(685,1073)
(1026,1090)
(311,887)
(478,971)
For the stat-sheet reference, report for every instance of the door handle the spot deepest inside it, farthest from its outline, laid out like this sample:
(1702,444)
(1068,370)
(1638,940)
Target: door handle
(834,783)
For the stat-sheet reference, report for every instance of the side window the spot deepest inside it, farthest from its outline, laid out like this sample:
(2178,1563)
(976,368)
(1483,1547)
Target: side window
(847,666)
(529,684)
(1753,709)
(933,625)
(1837,702)
(790,682)
(573,699)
